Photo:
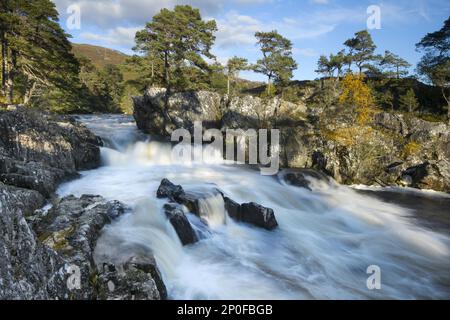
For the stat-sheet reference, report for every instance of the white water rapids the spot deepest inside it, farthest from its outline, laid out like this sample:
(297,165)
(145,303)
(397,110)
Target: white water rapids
(325,241)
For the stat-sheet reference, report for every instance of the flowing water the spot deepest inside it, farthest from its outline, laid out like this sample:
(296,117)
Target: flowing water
(325,242)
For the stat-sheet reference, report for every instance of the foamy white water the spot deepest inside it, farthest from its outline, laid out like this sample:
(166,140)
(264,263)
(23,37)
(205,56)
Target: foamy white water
(325,241)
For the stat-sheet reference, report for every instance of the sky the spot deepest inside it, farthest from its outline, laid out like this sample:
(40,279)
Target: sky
(315,27)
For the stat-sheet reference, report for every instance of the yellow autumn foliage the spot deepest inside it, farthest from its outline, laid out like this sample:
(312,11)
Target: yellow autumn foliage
(356,93)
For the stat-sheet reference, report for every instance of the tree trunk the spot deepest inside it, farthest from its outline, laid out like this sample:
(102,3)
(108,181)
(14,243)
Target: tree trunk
(4,62)
(269,86)
(29,94)
(228,85)
(166,69)
(11,76)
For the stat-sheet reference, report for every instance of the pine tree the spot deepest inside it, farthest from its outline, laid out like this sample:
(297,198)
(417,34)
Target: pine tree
(409,101)
(361,49)
(181,39)
(235,65)
(34,47)
(277,62)
(394,64)
(435,64)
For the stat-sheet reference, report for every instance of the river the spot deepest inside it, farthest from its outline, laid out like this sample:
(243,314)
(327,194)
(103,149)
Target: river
(326,240)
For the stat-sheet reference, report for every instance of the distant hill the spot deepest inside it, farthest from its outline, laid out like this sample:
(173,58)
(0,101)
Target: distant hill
(99,56)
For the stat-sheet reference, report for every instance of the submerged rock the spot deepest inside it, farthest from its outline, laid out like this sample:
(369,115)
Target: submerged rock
(302,177)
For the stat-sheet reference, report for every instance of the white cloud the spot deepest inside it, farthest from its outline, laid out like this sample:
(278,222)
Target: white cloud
(120,36)
(320,1)
(307,52)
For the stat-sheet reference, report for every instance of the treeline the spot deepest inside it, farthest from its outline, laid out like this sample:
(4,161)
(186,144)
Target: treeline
(38,68)
(174,51)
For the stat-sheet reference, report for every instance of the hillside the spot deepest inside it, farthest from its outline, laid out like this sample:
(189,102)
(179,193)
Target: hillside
(99,56)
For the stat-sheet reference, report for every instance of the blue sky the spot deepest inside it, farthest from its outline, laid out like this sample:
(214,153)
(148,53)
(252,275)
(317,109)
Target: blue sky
(315,26)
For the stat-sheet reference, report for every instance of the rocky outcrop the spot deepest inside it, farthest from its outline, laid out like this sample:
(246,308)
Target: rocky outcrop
(251,213)
(154,116)
(28,269)
(56,259)
(393,149)
(39,151)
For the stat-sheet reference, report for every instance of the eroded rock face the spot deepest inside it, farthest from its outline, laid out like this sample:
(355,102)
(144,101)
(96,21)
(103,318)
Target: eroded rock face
(214,110)
(39,151)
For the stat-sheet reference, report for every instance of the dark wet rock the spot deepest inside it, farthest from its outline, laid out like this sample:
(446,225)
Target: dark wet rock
(251,213)
(180,223)
(258,215)
(137,279)
(233,208)
(169,190)
(176,193)
(39,151)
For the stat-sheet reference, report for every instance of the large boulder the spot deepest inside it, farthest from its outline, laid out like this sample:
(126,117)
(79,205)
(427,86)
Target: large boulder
(38,151)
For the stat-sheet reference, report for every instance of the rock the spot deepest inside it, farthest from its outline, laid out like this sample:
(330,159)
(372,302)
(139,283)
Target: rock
(301,177)
(428,175)
(233,208)
(28,269)
(71,228)
(250,212)
(183,109)
(168,190)
(39,151)
(214,110)
(258,215)
(175,193)
(137,279)
(392,122)
(180,223)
